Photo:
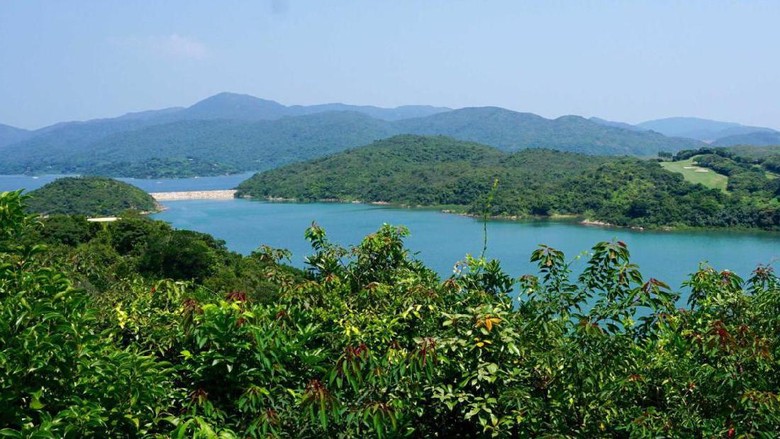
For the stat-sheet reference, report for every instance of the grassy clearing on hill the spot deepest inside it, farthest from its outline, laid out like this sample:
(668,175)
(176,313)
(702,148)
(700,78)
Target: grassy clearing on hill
(688,169)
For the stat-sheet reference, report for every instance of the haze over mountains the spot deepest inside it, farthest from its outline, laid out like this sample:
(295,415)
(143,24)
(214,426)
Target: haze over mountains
(232,133)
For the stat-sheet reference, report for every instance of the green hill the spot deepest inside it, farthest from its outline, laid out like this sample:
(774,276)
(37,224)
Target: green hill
(90,196)
(444,172)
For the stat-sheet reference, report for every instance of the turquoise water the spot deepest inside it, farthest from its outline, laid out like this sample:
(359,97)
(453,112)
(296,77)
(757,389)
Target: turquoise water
(440,240)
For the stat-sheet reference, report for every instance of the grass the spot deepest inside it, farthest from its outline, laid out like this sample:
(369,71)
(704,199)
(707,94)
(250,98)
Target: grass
(710,179)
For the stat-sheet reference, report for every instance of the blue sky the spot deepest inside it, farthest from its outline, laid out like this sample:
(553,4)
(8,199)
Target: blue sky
(621,60)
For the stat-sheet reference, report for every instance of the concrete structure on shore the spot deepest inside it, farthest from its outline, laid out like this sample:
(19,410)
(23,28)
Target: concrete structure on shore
(194,195)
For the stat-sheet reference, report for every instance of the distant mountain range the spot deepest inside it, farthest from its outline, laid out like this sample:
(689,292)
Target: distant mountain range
(232,132)
(700,129)
(711,131)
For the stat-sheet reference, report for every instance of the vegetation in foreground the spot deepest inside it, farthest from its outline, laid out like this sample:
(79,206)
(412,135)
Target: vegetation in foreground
(95,341)
(435,171)
(90,196)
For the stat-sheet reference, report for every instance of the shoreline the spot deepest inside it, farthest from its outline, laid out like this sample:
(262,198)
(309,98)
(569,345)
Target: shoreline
(579,220)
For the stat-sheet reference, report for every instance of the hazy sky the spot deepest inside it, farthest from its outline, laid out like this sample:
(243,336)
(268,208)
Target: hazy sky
(622,60)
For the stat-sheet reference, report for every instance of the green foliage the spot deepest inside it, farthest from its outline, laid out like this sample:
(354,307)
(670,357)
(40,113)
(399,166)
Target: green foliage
(439,171)
(60,375)
(371,343)
(91,196)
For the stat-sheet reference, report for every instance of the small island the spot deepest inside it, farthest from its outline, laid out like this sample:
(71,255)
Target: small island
(90,196)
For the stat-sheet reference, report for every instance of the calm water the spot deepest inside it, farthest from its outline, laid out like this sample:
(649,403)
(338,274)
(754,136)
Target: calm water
(441,239)
(29,183)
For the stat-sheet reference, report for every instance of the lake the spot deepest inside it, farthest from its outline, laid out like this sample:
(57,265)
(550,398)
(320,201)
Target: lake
(440,240)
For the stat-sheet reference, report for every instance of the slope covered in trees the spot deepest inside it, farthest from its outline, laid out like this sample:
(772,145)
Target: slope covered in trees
(90,196)
(250,138)
(440,171)
(105,336)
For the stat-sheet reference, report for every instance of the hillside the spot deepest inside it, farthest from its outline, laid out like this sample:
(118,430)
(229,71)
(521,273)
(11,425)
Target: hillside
(189,148)
(415,170)
(136,147)
(444,172)
(90,196)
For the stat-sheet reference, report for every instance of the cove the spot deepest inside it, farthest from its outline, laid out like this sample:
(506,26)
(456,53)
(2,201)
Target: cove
(440,240)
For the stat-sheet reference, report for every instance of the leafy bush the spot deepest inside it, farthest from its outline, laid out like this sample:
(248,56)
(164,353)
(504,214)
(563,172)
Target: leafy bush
(369,342)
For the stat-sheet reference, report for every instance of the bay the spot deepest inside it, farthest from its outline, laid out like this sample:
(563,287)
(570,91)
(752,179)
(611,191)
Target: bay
(441,240)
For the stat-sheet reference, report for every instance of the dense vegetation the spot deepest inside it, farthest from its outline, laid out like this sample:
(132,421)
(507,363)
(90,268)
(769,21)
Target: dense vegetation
(90,196)
(439,171)
(368,342)
(231,133)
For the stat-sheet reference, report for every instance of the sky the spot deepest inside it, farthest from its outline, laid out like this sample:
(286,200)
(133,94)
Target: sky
(628,61)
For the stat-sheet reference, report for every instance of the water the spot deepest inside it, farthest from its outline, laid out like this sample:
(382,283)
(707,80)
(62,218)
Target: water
(440,240)
(29,183)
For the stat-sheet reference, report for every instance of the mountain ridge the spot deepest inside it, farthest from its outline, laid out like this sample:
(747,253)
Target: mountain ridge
(136,147)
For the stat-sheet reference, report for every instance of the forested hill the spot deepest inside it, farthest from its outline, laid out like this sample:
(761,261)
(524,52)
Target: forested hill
(90,196)
(441,171)
(137,147)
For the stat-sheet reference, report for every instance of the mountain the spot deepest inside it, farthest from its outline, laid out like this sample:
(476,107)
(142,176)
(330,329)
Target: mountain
(701,129)
(245,107)
(67,136)
(510,130)
(390,114)
(10,135)
(205,147)
(610,123)
(134,148)
(756,139)
(236,107)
